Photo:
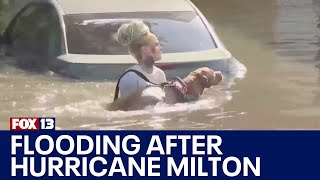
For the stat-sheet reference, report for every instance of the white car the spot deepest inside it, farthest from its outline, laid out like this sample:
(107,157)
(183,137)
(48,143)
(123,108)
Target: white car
(78,38)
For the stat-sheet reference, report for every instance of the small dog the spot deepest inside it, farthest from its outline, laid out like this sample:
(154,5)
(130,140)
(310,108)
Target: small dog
(176,91)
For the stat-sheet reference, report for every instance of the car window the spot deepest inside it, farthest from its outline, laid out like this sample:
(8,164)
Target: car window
(35,31)
(97,33)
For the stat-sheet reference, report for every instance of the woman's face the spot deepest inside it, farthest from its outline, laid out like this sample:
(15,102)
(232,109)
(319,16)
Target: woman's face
(153,48)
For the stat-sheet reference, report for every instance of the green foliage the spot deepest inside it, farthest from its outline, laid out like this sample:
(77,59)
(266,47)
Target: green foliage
(2,7)
(2,12)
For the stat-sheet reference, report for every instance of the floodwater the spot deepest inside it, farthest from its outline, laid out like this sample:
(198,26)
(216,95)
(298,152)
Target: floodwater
(277,40)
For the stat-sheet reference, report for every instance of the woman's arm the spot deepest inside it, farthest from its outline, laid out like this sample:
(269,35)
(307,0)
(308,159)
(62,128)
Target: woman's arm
(130,83)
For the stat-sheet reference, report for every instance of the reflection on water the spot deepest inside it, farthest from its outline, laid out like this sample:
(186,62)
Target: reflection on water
(277,40)
(298,48)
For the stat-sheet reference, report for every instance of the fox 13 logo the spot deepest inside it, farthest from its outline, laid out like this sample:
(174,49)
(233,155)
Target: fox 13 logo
(32,123)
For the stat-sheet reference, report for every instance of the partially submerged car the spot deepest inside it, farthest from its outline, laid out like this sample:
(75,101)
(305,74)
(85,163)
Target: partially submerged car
(78,38)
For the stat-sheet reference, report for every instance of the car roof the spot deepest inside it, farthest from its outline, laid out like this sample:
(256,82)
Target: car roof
(105,6)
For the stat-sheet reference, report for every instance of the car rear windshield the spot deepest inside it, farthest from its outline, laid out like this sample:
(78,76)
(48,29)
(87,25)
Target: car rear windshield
(97,33)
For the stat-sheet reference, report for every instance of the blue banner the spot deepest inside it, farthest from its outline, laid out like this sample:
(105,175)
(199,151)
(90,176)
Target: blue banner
(160,154)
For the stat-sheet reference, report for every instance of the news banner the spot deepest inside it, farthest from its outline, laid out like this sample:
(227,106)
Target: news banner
(33,148)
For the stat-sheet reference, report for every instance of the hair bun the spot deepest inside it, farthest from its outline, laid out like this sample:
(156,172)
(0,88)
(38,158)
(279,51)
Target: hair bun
(131,31)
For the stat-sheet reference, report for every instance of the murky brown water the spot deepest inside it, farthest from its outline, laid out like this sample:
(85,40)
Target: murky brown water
(277,40)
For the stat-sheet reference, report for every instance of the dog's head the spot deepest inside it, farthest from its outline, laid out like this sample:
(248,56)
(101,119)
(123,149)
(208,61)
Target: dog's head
(205,77)
(202,78)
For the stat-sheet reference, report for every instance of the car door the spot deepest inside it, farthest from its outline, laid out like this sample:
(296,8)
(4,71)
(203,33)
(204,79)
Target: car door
(34,36)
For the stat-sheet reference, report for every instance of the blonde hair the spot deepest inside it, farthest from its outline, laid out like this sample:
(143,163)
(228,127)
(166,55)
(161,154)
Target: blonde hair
(134,35)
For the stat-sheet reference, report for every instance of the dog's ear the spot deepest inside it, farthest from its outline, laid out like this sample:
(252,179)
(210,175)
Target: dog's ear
(209,76)
(203,79)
